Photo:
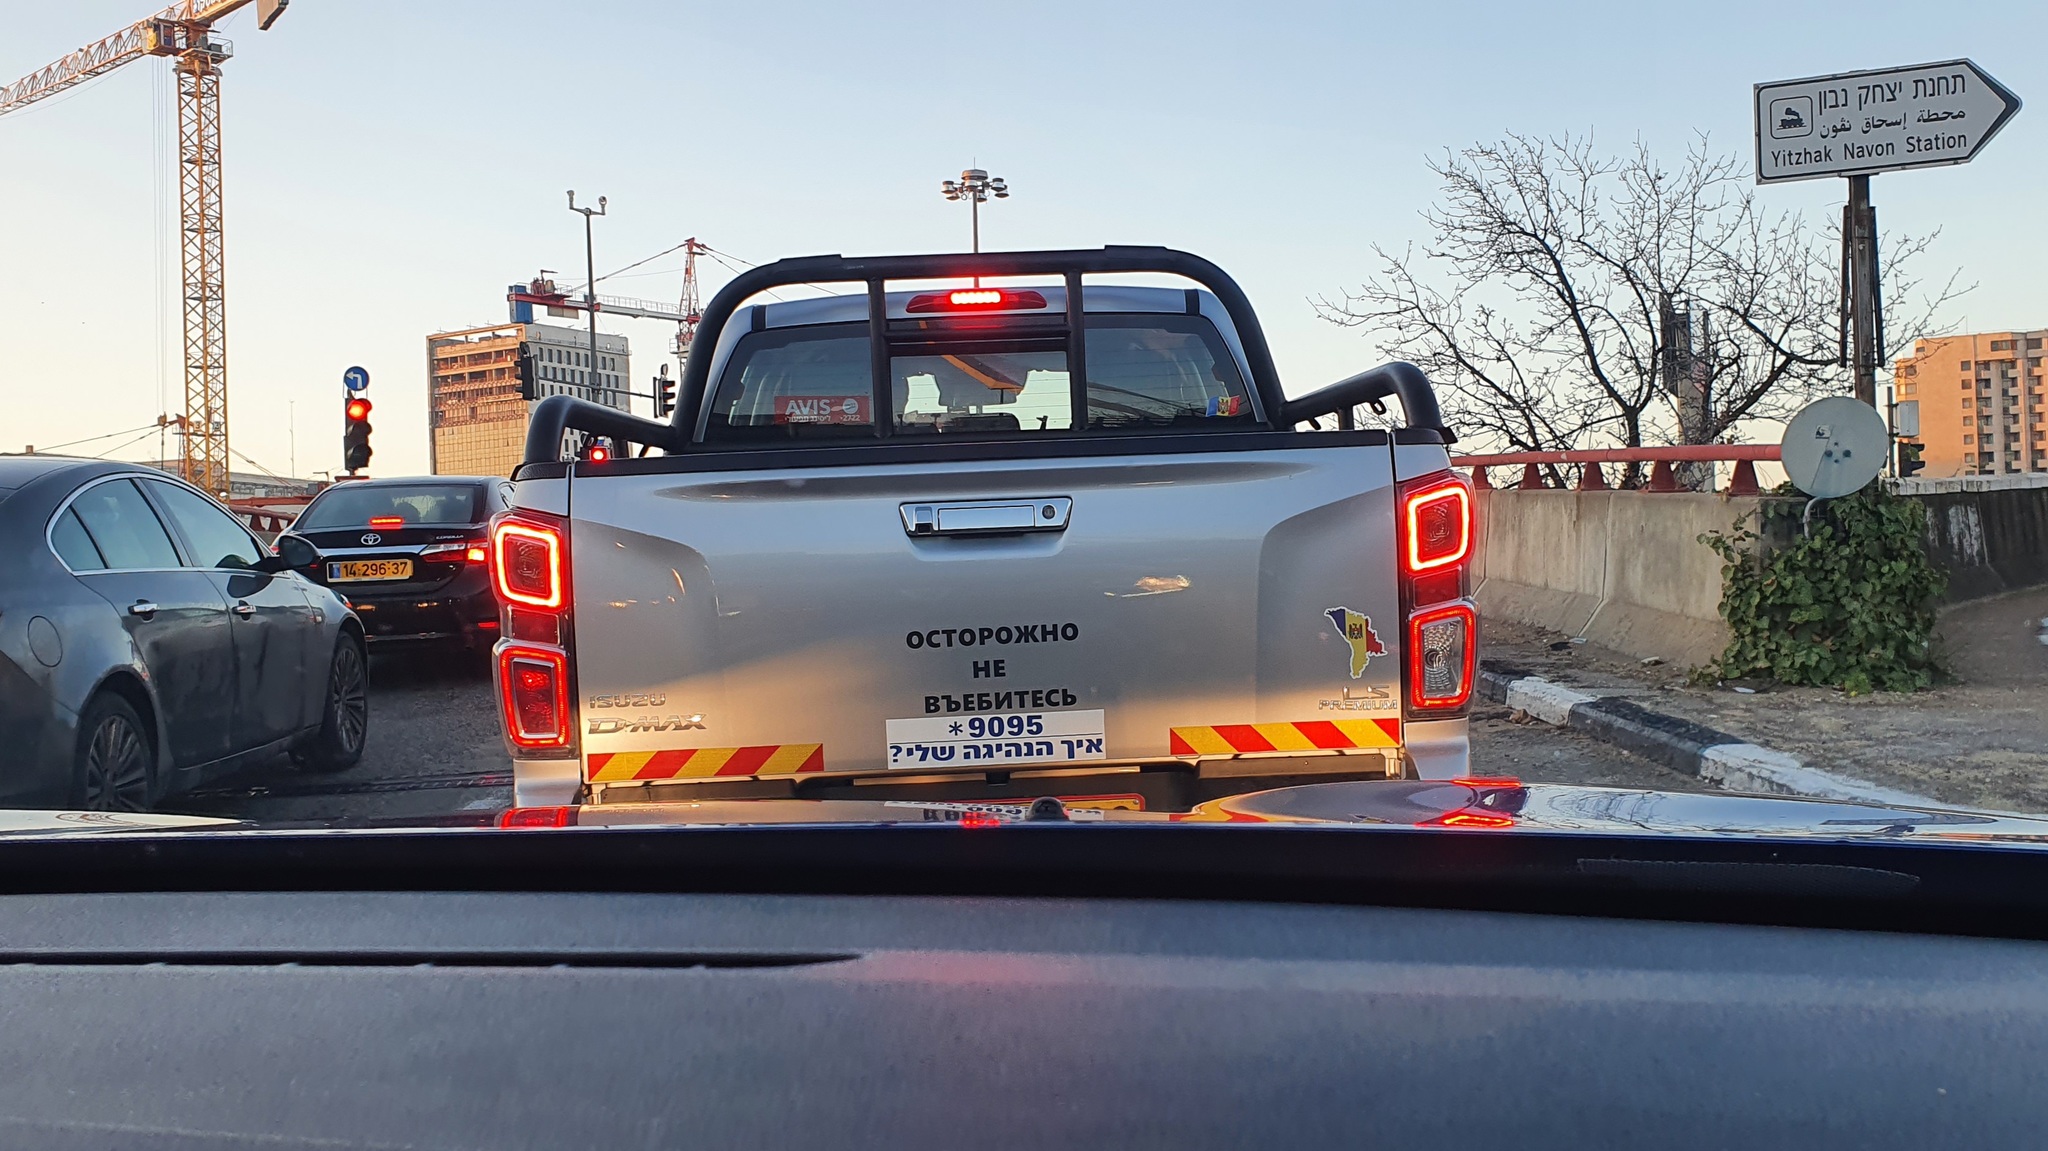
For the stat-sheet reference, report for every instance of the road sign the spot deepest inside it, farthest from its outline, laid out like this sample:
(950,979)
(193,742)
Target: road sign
(1856,123)
(355,379)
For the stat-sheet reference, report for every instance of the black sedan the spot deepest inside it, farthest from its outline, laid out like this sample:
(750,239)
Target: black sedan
(409,555)
(149,642)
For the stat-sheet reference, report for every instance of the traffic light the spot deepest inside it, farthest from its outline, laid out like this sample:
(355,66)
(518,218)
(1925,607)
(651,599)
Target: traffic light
(529,377)
(1909,458)
(355,434)
(664,395)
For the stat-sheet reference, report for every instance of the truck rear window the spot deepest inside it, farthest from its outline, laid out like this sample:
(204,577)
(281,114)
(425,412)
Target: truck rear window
(1145,371)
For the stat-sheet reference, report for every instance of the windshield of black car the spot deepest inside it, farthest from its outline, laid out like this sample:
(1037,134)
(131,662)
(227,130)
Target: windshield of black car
(1145,371)
(407,505)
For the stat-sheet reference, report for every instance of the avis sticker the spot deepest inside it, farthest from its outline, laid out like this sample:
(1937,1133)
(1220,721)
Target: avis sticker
(822,410)
(1356,628)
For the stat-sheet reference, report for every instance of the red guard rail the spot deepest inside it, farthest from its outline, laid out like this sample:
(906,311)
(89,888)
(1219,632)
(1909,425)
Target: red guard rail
(1741,483)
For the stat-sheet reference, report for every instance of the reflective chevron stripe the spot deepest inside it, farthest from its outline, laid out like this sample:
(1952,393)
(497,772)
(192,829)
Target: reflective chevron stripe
(706,762)
(1317,735)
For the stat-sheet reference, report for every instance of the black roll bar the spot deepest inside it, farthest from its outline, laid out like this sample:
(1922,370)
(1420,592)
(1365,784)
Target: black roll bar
(1404,380)
(553,416)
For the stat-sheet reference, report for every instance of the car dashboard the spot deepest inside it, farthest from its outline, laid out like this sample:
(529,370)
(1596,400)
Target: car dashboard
(389,1018)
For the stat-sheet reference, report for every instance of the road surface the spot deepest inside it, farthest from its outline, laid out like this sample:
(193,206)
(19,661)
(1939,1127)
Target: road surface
(434,753)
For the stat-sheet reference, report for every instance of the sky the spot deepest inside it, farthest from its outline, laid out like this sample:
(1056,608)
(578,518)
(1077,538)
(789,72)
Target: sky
(391,165)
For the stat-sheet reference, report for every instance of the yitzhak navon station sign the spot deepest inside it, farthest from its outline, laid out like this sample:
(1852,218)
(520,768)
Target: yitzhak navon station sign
(1856,123)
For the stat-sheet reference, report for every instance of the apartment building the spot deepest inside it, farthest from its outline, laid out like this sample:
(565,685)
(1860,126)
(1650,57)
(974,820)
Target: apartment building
(1981,402)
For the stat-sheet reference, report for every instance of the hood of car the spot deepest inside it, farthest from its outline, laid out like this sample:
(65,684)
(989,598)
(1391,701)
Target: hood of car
(45,822)
(1457,806)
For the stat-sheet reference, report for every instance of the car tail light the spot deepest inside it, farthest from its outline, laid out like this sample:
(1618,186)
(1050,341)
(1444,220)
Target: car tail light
(1440,657)
(473,551)
(533,687)
(527,563)
(387,521)
(974,300)
(538,817)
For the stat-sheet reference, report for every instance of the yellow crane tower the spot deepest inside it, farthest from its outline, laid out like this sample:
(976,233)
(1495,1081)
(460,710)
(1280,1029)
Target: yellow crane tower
(184,32)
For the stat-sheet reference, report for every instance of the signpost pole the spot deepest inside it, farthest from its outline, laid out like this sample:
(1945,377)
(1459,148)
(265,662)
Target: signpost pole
(1863,319)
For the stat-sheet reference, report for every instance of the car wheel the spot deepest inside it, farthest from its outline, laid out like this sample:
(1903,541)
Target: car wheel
(346,722)
(115,761)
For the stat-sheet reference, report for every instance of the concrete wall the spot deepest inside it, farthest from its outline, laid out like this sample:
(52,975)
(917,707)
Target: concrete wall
(1625,570)
(1991,539)
(1622,568)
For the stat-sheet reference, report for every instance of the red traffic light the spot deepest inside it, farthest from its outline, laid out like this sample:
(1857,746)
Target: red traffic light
(358,409)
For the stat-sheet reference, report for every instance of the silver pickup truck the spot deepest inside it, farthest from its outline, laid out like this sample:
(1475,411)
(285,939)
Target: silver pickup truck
(890,547)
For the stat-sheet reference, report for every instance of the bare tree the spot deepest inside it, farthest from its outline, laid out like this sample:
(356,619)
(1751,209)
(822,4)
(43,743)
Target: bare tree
(1571,300)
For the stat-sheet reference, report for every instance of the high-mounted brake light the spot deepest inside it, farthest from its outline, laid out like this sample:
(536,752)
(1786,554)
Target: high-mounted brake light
(1438,519)
(526,563)
(974,300)
(533,688)
(386,521)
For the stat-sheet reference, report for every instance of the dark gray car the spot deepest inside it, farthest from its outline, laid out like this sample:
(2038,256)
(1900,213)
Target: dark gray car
(148,641)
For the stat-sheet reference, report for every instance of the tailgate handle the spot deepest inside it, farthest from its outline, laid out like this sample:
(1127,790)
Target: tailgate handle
(987,517)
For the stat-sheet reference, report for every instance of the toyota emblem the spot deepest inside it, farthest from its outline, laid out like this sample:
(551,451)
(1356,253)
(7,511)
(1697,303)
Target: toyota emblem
(372,539)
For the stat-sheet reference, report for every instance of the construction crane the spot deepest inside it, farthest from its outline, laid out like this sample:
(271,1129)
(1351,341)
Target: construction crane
(183,32)
(686,313)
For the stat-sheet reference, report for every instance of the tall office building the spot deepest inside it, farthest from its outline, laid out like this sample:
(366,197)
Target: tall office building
(476,415)
(1981,402)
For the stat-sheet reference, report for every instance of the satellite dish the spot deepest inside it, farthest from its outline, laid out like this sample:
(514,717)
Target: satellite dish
(1834,447)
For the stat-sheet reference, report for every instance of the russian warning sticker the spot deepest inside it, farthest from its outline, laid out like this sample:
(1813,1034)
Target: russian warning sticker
(996,739)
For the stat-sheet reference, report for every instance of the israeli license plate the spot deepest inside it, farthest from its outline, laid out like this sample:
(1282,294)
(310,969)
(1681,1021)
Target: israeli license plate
(356,571)
(996,739)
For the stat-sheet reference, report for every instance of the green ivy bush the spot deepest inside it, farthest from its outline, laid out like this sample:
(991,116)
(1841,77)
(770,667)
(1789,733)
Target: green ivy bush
(1850,605)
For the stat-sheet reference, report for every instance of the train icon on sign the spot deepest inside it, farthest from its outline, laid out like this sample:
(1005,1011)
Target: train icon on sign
(1791,117)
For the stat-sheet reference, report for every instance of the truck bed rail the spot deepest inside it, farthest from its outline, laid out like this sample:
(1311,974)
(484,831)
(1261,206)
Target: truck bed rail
(555,415)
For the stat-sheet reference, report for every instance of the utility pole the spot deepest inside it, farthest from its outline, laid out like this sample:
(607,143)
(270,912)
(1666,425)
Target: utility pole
(590,290)
(1866,323)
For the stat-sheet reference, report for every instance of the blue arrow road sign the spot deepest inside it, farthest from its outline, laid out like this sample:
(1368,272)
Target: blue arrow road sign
(356,379)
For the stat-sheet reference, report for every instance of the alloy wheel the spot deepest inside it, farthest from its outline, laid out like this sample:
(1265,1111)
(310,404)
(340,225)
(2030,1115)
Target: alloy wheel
(116,767)
(348,698)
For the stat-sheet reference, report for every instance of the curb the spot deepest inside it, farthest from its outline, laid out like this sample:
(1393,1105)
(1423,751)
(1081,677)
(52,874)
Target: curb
(1727,761)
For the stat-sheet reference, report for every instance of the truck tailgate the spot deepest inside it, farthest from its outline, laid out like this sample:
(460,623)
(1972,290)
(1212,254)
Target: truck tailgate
(777,622)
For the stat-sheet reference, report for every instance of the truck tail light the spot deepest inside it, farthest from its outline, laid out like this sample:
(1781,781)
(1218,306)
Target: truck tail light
(1441,654)
(533,687)
(1437,523)
(1435,530)
(528,554)
(527,566)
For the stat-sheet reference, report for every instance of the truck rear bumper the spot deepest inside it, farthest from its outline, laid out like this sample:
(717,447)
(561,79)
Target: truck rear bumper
(1436,749)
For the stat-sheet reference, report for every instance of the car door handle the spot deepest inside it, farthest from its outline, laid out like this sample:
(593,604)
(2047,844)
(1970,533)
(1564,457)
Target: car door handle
(987,517)
(143,608)
(243,609)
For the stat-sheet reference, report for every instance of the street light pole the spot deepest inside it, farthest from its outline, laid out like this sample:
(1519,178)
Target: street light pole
(590,289)
(975,186)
